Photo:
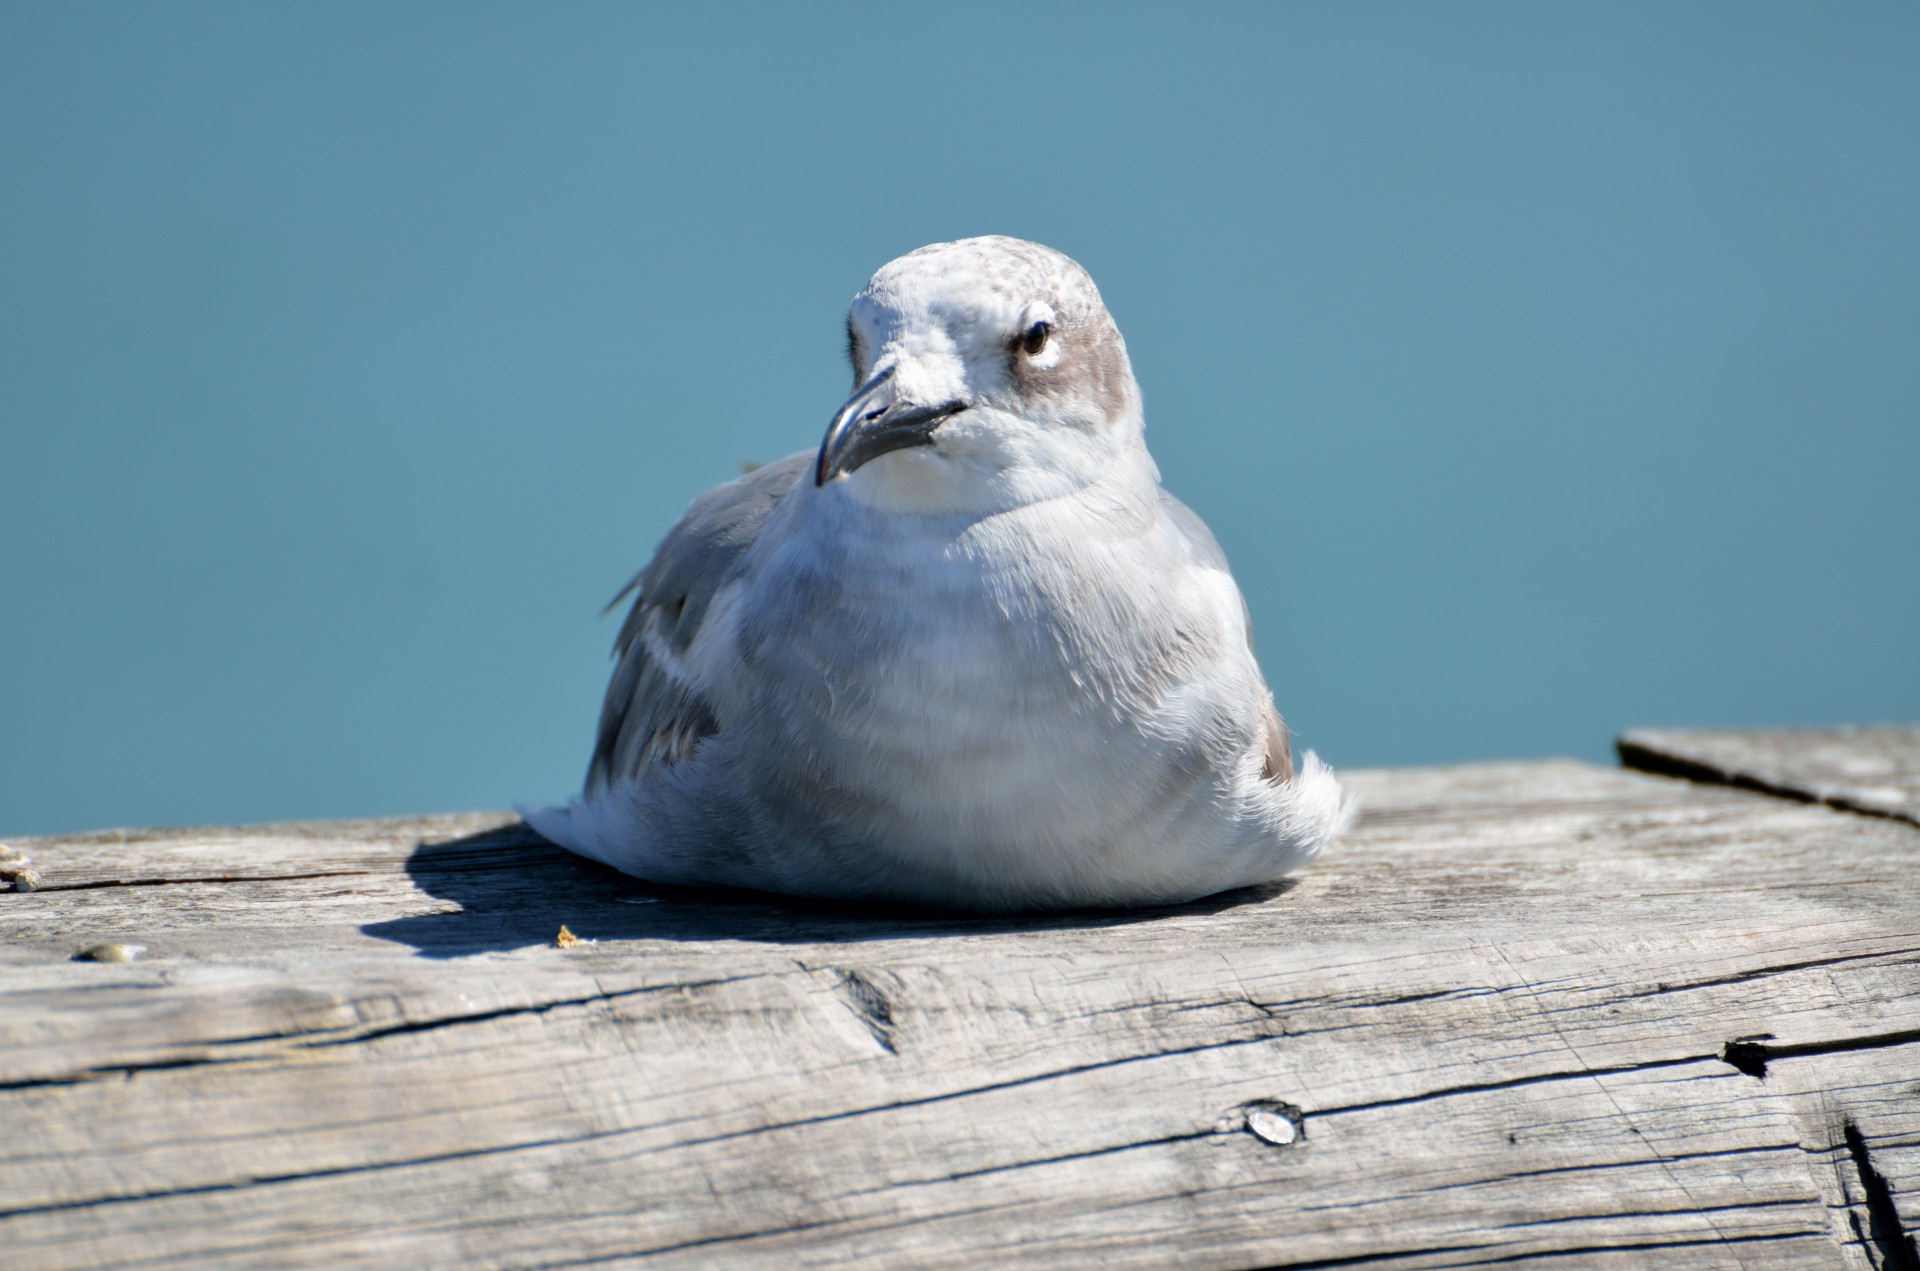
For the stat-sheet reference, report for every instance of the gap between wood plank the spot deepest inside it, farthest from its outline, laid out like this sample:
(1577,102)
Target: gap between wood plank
(1637,757)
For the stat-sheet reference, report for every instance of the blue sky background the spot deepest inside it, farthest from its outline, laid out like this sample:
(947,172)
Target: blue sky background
(1545,369)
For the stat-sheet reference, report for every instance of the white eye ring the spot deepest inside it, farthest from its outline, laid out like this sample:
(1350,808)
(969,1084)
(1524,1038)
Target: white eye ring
(1039,327)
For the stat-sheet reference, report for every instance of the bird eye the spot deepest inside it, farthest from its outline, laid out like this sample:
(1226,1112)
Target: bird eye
(1036,338)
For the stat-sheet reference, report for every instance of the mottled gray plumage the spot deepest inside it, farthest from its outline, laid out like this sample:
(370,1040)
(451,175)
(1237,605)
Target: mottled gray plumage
(648,715)
(968,653)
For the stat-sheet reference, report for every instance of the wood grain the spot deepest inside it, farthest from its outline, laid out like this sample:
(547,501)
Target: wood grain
(1874,769)
(1538,1012)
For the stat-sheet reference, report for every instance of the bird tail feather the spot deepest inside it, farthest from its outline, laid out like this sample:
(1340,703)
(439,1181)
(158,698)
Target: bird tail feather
(1320,810)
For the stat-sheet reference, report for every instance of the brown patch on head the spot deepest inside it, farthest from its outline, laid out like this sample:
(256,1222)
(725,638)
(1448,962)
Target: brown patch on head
(1110,373)
(1092,366)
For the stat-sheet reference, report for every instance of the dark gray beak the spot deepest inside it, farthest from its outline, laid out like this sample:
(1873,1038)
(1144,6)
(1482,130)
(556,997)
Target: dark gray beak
(873,423)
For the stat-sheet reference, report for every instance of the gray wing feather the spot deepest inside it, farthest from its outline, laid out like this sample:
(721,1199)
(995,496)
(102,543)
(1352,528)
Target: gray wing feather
(1206,551)
(651,713)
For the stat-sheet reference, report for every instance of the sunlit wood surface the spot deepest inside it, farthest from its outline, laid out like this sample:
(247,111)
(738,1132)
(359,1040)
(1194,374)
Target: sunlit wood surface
(1527,1012)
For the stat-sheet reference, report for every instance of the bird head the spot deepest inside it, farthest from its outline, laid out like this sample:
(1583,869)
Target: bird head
(986,371)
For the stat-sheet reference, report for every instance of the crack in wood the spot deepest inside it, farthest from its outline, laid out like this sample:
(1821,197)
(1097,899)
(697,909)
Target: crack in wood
(320,1038)
(1761,973)
(300,1176)
(1660,763)
(862,1227)
(705,1242)
(869,1005)
(127,1072)
(1268,1010)
(1359,1002)
(1610,1215)
(98,883)
(1751,1054)
(531,1009)
(1060,1159)
(1885,1233)
(1011,1083)
(1510,1083)
(1638,1162)
(1362,1259)
(1581,1251)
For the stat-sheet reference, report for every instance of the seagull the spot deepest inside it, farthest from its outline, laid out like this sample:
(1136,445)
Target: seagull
(967,654)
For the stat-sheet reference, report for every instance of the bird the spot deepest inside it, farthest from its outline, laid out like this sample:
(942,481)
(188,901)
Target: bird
(966,654)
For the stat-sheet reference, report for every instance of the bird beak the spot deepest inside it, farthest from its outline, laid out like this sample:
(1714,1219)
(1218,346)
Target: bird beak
(874,422)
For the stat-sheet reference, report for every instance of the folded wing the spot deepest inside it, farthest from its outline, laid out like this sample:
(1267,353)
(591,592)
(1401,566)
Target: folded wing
(1278,768)
(653,712)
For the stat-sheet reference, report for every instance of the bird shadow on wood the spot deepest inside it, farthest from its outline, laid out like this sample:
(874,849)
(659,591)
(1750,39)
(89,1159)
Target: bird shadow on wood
(515,889)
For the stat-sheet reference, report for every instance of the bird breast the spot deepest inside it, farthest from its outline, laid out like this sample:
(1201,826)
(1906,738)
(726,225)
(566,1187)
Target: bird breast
(1052,669)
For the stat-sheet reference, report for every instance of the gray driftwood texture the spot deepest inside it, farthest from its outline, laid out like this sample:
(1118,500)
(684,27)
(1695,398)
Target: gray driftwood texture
(1528,1012)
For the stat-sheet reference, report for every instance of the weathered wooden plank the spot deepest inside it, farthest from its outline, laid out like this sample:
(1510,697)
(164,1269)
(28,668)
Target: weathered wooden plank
(1865,769)
(1500,1017)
